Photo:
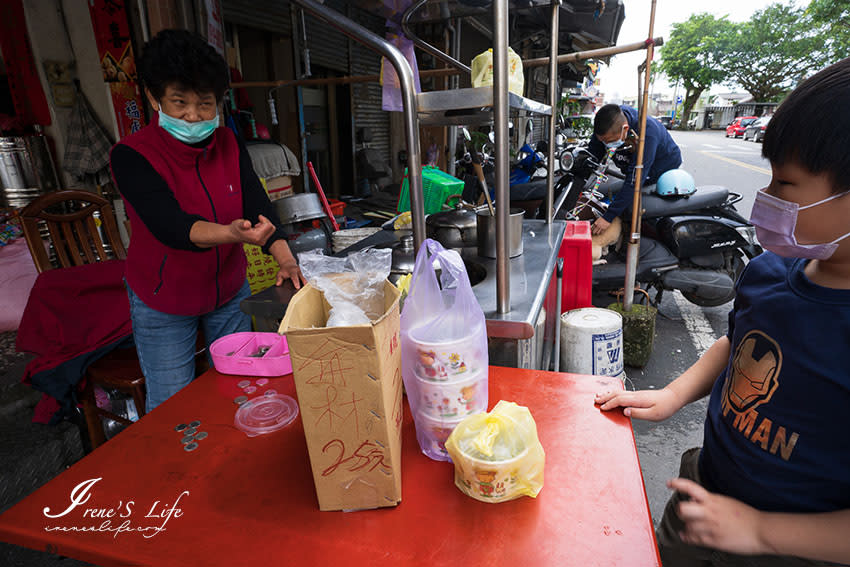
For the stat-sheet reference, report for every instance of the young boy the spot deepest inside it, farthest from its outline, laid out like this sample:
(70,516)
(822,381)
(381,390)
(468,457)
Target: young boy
(771,484)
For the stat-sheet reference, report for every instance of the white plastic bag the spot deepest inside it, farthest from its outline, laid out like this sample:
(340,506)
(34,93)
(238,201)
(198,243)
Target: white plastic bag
(443,348)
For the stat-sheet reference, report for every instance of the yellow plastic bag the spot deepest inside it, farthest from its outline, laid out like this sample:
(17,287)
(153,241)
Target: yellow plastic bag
(482,71)
(497,455)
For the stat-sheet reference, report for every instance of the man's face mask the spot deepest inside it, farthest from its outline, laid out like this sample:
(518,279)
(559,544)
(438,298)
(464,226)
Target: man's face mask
(776,221)
(620,141)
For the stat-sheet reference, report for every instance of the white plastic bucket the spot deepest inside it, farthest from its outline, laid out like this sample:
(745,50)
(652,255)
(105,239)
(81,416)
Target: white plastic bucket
(592,342)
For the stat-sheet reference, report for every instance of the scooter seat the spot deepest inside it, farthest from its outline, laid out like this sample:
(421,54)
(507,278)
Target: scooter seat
(529,191)
(706,196)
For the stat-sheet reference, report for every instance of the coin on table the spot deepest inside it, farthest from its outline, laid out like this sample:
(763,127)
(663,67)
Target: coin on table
(262,381)
(244,383)
(270,392)
(181,427)
(187,439)
(239,400)
(200,436)
(190,431)
(195,423)
(190,447)
(250,389)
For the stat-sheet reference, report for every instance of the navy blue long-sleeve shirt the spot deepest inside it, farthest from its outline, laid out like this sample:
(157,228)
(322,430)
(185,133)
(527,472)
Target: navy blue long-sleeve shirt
(660,154)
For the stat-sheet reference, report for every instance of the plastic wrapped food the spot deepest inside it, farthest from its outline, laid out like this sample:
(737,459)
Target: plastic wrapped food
(497,455)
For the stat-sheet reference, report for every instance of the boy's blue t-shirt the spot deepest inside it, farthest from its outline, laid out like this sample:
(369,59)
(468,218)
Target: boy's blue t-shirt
(777,434)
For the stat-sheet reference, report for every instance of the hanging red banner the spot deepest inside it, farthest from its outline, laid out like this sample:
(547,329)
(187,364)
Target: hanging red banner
(27,94)
(112,35)
(126,100)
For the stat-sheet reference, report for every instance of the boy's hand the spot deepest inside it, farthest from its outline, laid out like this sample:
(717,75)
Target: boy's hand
(652,405)
(720,522)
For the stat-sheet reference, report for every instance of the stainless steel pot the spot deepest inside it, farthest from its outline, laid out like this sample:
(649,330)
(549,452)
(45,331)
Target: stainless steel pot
(299,207)
(404,258)
(487,233)
(453,229)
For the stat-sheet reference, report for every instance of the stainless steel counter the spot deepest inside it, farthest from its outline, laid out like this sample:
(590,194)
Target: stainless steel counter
(531,273)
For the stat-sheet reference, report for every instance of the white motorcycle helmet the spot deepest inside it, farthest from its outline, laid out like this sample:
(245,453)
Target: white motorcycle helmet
(676,182)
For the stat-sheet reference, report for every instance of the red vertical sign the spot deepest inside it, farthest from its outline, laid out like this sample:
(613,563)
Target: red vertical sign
(112,35)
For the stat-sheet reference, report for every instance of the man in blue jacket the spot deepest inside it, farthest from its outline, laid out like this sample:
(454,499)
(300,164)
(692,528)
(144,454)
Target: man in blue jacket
(617,127)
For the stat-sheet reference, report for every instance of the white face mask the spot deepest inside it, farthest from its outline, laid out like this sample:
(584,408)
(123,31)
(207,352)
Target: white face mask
(776,221)
(616,143)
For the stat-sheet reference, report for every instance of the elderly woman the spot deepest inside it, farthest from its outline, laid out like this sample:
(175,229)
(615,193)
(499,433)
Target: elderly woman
(193,200)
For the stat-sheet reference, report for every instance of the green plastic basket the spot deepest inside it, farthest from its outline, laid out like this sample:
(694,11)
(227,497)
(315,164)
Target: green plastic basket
(437,187)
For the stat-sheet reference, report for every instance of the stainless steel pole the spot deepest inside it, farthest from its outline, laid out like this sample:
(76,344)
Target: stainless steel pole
(633,251)
(408,97)
(427,47)
(454,82)
(553,103)
(500,119)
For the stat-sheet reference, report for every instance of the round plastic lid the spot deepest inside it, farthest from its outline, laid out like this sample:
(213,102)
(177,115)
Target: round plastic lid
(266,414)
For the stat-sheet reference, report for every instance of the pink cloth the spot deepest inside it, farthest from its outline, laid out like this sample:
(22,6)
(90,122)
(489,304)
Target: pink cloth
(17,276)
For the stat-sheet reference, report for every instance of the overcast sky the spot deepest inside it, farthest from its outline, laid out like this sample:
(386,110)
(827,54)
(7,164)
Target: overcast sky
(620,78)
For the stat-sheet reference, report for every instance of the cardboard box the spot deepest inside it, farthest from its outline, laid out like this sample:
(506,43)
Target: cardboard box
(279,187)
(349,386)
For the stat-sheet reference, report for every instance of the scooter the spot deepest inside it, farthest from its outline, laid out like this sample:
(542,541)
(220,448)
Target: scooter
(695,244)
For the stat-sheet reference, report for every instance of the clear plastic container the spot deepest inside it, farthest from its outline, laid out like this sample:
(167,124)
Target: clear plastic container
(265,414)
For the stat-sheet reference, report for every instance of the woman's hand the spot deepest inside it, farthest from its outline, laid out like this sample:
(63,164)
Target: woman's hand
(652,405)
(290,271)
(242,230)
(720,522)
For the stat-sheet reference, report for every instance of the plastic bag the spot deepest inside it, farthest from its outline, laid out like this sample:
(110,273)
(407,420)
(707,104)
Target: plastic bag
(482,71)
(352,286)
(443,348)
(497,455)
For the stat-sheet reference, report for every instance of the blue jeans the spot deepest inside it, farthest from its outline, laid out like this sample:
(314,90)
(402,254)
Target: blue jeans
(166,343)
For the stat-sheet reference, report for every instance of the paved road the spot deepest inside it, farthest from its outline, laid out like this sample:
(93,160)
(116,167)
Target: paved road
(683,330)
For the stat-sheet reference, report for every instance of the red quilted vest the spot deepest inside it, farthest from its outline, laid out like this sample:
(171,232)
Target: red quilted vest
(205,182)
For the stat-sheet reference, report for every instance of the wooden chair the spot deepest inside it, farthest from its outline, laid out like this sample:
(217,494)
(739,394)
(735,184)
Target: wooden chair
(71,221)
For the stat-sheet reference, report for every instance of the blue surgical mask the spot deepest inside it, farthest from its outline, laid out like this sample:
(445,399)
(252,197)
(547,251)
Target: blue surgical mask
(614,145)
(188,132)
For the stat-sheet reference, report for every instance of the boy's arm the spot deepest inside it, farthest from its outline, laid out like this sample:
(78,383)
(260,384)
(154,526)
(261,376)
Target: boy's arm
(720,522)
(696,382)
(656,405)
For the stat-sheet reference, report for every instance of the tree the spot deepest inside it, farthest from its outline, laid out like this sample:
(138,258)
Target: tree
(774,50)
(695,54)
(834,17)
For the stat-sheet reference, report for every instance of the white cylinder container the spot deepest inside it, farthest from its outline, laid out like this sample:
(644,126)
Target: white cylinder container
(592,342)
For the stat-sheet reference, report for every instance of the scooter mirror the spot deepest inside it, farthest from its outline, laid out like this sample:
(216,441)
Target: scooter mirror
(466,134)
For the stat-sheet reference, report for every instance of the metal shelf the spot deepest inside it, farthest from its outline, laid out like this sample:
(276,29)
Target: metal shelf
(468,107)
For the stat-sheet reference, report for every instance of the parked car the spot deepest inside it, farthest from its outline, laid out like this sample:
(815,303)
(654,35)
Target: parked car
(737,127)
(755,131)
(667,121)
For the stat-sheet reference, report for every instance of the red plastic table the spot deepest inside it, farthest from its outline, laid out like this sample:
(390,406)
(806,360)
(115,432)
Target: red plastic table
(250,501)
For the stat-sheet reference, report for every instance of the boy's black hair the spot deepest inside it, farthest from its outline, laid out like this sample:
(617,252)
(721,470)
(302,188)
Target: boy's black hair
(185,59)
(607,118)
(812,126)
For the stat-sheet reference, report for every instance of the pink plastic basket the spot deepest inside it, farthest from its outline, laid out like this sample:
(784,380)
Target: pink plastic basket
(252,354)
